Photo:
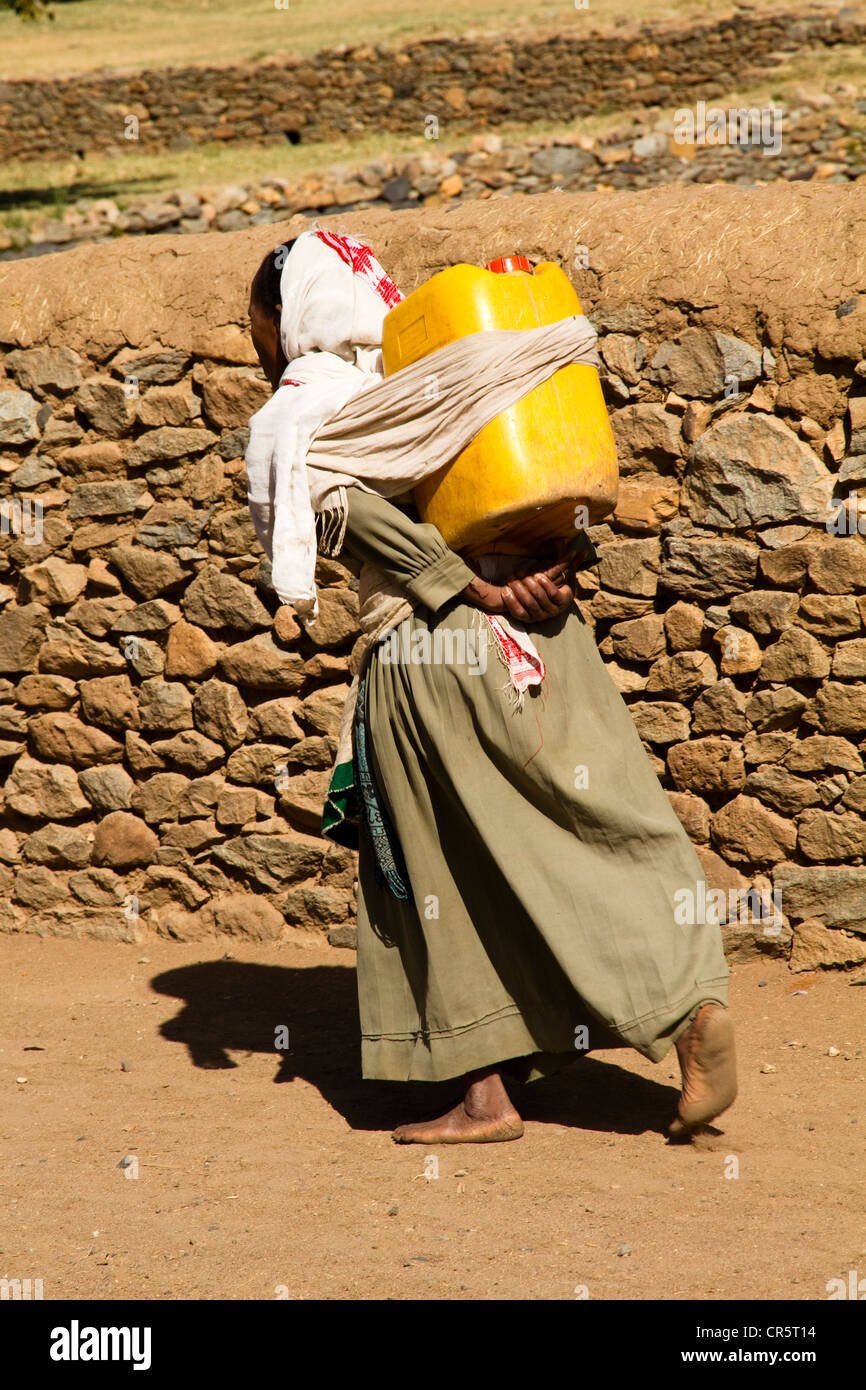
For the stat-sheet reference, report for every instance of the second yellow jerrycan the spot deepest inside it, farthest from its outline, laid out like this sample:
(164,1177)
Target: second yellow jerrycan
(547,464)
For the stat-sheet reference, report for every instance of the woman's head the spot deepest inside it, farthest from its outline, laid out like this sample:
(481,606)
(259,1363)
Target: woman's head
(336,297)
(265,309)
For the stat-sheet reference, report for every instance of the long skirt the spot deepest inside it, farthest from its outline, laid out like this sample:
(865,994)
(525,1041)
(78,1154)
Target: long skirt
(549,879)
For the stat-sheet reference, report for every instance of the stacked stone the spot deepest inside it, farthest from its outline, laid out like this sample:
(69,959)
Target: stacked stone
(463,83)
(730,604)
(167,728)
(823,137)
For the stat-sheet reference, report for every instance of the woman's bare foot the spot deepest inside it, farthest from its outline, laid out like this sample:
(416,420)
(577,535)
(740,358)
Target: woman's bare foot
(484,1116)
(709,1070)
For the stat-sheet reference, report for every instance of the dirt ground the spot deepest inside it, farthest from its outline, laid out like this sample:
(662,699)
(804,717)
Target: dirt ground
(255,1174)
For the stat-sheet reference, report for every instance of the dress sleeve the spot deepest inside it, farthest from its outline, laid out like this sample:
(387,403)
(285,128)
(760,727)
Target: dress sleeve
(412,554)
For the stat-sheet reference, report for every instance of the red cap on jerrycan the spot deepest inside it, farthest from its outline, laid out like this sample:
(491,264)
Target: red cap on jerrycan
(503,264)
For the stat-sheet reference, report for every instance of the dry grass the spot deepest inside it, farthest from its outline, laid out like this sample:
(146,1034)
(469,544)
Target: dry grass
(31,190)
(92,34)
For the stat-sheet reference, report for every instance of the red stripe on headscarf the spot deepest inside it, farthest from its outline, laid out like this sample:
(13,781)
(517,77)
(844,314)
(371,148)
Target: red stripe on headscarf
(362,262)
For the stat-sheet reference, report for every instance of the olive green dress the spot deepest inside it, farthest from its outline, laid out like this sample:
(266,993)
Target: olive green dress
(541,853)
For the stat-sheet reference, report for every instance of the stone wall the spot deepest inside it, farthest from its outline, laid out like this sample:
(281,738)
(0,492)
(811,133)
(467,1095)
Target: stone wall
(167,727)
(464,84)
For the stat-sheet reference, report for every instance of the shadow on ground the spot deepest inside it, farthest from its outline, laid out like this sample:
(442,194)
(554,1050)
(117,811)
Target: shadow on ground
(44,196)
(239,1007)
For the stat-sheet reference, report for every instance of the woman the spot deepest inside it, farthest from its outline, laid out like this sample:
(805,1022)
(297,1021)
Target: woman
(520,862)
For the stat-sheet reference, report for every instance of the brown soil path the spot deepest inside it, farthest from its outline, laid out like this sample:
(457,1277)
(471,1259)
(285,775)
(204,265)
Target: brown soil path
(250,1189)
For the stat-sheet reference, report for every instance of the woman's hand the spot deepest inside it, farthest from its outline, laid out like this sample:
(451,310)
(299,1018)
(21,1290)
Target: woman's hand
(529,596)
(534,598)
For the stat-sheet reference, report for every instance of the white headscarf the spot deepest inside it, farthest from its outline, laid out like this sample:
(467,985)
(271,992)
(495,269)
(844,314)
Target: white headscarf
(335,296)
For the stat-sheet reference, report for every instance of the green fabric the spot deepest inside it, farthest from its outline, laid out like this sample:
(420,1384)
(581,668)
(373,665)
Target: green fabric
(389,867)
(538,905)
(377,527)
(414,555)
(407,551)
(340,816)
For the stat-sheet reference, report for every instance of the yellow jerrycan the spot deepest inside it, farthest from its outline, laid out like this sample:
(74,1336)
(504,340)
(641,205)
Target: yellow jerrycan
(543,467)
